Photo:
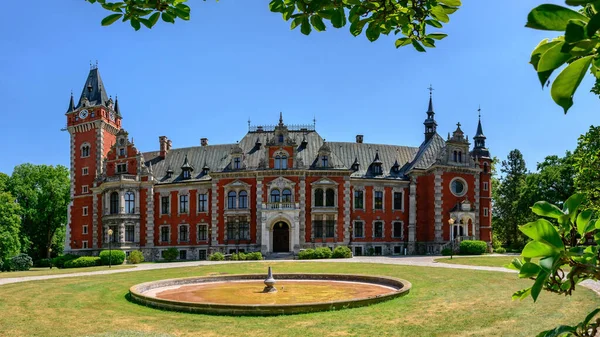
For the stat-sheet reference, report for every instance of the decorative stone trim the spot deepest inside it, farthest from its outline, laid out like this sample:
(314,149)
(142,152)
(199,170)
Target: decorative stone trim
(412,215)
(477,206)
(382,190)
(188,233)
(302,215)
(438,206)
(259,201)
(214,226)
(95,221)
(347,207)
(382,229)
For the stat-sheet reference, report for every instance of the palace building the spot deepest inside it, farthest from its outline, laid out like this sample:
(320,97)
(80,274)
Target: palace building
(281,188)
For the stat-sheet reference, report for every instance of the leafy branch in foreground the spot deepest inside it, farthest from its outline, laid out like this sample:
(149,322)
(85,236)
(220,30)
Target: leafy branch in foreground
(577,48)
(410,18)
(567,257)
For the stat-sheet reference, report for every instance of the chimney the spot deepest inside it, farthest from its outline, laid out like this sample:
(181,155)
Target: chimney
(169,145)
(164,143)
(204,141)
(359,139)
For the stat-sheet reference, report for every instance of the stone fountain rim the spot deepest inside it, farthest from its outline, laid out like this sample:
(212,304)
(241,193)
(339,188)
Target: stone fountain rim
(137,294)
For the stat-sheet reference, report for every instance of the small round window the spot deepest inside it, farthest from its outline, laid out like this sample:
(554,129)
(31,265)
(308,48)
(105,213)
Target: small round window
(458,187)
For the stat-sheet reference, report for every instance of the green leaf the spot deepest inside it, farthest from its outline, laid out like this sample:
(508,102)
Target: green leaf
(568,80)
(542,47)
(521,294)
(575,31)
(544,208)
(583,220)
(153,19)
(439,13)
(317,22)
(529,270)
(437,36)
(553,58)
(515,264)
(434,23)
(552,17)
(572,204)
(455,3)
(373,31)
(543,231)
(592,27)
(166,17)
(403,41)
(276,6)
(591,315)
(418,46)
(547,263)
(597,224)
(338,18)
(538,249)
(135,23)
(558,331)
(109,20)
(539,284)
(357,26)
(297,20)
(305,28)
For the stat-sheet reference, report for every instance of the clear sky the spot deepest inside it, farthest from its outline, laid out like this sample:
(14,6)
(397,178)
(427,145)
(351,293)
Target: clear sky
(236,60)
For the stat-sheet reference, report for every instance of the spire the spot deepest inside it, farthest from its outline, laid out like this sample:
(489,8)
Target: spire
(355,165)
(430,123)
(280,118)
(117,110)
(377,161)
(71,104)
(186,165)
(480,150)
(93,89)
(479,133)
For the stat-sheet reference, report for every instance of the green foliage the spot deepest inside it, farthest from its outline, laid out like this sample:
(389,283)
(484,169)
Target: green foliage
(500,250)
(170,254)
(42,263)
(238,256)
(307,254)
(473,247)
(83,261)
(565,257)
(254,256)
(318,253)
(115,257)
(446,251)
(341,252)
(4,182)
(577,48)
(21,262)
(586,162)
(216,256)
(10,223)
(373,17)
(135,257)
(60,261)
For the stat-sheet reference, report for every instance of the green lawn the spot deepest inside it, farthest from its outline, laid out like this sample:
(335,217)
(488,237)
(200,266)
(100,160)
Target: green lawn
(488,261)
(443,302)
(56,271)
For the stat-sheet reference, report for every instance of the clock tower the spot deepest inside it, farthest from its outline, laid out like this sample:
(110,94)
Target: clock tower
(92,124)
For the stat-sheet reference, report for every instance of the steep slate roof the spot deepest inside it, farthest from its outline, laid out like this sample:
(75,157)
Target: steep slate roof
(342,156)
(93,89)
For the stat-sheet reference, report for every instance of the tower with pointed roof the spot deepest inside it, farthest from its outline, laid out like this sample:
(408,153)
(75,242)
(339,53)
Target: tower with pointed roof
(479,149)
(430,123)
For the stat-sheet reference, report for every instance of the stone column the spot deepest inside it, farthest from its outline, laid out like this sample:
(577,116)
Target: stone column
(121,232)
(346,210)
(95,220)
(214,226)
(259,201)
(150,217)
(302,214)
(438,206)
(476,205)
(296,234)
(412,215)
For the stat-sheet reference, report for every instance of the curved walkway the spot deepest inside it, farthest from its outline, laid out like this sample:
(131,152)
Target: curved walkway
(417,261)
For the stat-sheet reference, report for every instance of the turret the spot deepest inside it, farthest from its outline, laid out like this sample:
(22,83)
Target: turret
(430,123)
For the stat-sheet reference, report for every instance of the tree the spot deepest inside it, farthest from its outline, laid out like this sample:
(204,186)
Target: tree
(10,223)
(43,193)
(409,18)
(4,181)
(552,182)
(506,205)
(586,160)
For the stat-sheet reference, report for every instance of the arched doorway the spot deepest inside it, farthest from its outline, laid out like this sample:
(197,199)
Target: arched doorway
(281,237)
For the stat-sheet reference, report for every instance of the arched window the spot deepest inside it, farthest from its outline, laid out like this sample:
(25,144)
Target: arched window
(460,156)
(277,162)
(330,197)
(114,203)
(485,168)
(286,195)
(231,196)
(275,195)
(455,156)
(129,203)
(243,199)
(85,151)
(319,197)
(283,162)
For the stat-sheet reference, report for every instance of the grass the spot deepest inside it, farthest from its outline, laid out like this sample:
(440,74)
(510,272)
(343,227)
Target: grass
(442,302)
(487,261)
(57,271)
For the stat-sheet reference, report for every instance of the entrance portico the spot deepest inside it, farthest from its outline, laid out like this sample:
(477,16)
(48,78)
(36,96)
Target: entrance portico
(280,231)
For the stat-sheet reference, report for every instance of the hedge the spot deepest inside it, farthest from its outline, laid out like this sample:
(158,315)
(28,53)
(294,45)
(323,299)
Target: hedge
(42,263)
(500,250)
(59,261)
(21,262)
(170,254)
(473,247)
(341,252)
(324,253)
(216,257)
(83,261)
(116,257)
(447,251)
(135,257)
(254,256)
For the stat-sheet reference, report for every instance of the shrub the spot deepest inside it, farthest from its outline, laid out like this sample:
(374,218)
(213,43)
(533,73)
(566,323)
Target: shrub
(59,261)
(21,262)
(170,254)
(116,257)
(254,256)
(216,257)
(371,251)
(42,263)
(135,257)
(447,251)
(307,254)
(83,261)
(500,250)
(238,256)
(1,265)
(473,247)
(323,253)
(341,252)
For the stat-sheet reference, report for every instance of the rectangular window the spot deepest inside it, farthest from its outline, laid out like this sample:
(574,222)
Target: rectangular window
(486,212)
(231,231)
(85,171)
(202,232)
(85,210)
(398,229)
(485,186)
(85,244)
(378,200)
(397,250)
(183,203)
(122,152)
(122,168)
(129,233)
(164,202)
(85,229)
(183,233)
(237,163)
(84,189)
(378,250)
(378,229)
(359,231)
(359,200)
(164,234)
(358,251)
(398,200)
(183,254)
(330,228)
(202,202)
(244,230)
(318,228)
(202,254)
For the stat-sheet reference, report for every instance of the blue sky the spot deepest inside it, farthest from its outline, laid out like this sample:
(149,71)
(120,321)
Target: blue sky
(236,60)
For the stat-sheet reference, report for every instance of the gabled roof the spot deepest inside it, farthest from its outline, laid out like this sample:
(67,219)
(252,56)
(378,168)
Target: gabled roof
(427,154)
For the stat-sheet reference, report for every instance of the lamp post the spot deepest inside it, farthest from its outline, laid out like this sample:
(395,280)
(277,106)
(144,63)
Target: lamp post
(110,233)
(50,257)
(451,222)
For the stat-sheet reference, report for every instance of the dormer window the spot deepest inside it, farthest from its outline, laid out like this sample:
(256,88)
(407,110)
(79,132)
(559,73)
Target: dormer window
(186,168)
(186,174)
(237,163)
(325,161)
(122,151)
(280,162)
(376,169)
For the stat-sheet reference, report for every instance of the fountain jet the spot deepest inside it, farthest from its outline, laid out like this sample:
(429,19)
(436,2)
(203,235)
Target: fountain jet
(270,282)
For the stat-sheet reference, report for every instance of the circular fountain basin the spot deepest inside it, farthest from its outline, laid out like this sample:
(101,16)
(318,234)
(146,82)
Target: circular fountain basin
(243,294)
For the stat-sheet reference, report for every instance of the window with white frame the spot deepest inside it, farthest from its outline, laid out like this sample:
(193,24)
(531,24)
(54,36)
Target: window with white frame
(275,196)
(359,199)
(114,203)
(398,201)
(243,199)
(244,229)
(184,203)
(202,254)
(183,254)
(318,228)
(378,200)
(330,197)
(164,233)
(203,232)
(122,152)
(486,212)
(184,233)
(318,197)
(231,232)
(358,251)
(85,210)
(398,230)
(281,162)
(164,205)
(85,244)
(378,250)
(359,229)
(458,187)
(129,202)
(186,174)
(85,150)
(485,186)
(325,161)
(330,226)
(378,229)
(129,233)
(84,189)
(84,171)
(286,196)
(122,168)
(237,163)
(231,196)
(84,229)
(202,202)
